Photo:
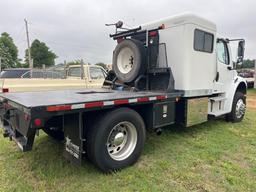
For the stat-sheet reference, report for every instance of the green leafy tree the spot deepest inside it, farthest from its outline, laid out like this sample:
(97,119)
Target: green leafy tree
(248,63)
(102,65)
(8,51)
(75,62)
(41,55)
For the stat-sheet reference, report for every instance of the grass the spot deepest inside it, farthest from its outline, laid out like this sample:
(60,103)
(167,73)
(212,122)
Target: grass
(215,156)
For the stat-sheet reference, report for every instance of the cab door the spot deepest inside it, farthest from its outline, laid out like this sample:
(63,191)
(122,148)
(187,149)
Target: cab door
(226,73)
(96,77)
(74,73)
(76,78)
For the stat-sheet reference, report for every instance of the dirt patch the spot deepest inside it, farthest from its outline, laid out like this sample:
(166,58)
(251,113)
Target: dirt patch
(251,100)
(251,103)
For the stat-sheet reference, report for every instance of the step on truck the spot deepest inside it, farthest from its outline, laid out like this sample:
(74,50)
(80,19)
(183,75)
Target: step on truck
(172,71)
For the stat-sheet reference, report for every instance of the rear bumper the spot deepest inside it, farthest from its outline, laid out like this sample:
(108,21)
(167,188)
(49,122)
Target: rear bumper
(25,143)
(15,130)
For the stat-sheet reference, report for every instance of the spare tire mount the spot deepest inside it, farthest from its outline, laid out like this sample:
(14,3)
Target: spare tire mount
(129,60)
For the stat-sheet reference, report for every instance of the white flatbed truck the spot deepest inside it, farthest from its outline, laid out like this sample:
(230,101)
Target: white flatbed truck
(172,71)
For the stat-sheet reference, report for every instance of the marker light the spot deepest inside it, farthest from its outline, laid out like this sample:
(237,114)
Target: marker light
(38,122)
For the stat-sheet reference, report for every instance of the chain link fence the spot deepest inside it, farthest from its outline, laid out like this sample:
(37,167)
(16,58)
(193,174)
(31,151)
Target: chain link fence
(54,72)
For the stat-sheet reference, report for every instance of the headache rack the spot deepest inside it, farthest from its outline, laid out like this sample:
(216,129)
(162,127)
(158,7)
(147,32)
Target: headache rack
(158,76)
(126,33)
(133,32)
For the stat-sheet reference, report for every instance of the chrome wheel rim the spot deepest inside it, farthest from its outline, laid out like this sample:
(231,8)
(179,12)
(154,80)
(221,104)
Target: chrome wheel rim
(240,108)
(125,60)
(122,141)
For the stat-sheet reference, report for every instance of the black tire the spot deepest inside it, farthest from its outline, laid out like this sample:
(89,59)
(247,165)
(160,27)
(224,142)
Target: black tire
(139,60)
(99,134)
(54,133)
(232,116)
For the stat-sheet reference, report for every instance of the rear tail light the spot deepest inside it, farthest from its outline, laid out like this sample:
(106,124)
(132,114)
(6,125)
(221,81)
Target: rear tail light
(5,90)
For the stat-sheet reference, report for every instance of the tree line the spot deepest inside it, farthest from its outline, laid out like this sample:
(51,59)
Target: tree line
(248,63)
(40,54)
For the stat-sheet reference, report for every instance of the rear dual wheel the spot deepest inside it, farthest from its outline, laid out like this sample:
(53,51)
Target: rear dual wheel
(117,140)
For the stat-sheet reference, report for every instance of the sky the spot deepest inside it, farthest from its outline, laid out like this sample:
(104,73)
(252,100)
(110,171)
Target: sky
(75,29)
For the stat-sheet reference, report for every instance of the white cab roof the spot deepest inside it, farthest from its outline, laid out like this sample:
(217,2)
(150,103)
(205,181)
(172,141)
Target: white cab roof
(181,19)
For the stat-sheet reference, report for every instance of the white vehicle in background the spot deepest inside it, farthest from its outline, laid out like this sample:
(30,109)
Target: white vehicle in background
(172,71)
(74,77)
(248,75)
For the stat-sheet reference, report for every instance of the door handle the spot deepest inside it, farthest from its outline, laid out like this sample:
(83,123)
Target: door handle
(229,68)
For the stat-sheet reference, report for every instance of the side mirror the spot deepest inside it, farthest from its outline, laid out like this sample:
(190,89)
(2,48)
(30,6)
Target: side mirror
(240,52)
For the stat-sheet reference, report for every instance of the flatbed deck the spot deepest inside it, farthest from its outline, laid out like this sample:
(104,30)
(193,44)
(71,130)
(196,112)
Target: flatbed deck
(65,97)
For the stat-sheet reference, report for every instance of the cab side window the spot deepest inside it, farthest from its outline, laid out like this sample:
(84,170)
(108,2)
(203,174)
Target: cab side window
(74,72)
(35,74)
(96,73)
(203,41)
(222,51)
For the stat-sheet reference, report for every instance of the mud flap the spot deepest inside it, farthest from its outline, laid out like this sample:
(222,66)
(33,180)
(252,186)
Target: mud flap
(73,132)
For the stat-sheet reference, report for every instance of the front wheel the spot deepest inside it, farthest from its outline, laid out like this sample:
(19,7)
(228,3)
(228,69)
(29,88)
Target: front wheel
(117,140)
(238,108)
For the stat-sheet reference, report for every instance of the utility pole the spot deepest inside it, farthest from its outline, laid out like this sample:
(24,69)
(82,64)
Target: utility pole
(0,64)
(29,53)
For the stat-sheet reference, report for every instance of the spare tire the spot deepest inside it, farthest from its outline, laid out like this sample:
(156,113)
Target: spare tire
(129,60)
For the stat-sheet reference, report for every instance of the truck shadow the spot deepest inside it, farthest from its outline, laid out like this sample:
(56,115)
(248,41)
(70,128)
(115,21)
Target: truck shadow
(47,155)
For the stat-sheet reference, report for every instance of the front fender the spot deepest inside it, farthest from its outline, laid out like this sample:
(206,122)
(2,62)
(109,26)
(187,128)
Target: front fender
(238,85)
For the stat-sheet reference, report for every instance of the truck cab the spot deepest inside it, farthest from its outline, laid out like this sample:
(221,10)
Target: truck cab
(227,81)
(199,62)
(93,75)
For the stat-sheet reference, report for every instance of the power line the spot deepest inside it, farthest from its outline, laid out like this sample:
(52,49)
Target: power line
(73,46)
(88,50)
(34,33)
(19,34)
